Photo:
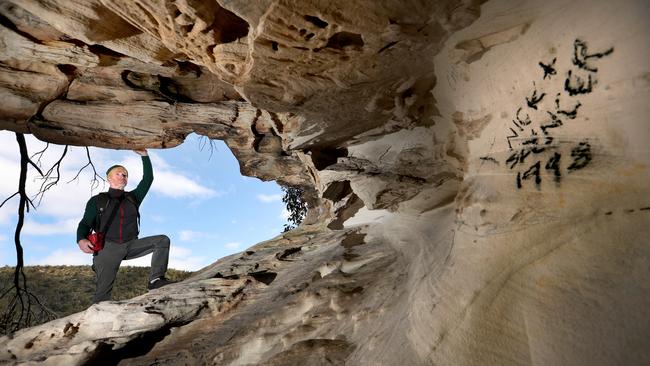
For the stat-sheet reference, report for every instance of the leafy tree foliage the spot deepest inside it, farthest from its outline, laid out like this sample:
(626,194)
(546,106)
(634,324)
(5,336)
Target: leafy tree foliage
(295,205)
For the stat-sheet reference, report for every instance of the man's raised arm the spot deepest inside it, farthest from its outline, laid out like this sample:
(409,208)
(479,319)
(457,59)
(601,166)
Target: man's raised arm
(147,176)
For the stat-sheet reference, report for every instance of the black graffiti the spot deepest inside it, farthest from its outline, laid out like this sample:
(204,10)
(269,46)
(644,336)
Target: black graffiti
(533,142)
(555,122)
(579,86)
(521,122)
(581,156)
(529,146)
(489,158)
(545,150)
(572,114)
(534,99)
(548,69)
(581,58)
(518,157)
(549,140)
(554,165)
(533,171)
(514,135)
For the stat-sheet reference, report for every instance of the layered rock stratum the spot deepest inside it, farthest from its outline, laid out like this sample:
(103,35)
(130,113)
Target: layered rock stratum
(477,174)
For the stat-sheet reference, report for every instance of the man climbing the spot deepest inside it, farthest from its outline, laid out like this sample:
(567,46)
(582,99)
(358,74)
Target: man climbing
(116,214)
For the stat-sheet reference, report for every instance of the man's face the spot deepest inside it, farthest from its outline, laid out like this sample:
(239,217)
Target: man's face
(118,177)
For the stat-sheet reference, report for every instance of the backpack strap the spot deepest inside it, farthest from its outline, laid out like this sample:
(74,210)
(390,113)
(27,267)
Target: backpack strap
(102,204)
(131,198)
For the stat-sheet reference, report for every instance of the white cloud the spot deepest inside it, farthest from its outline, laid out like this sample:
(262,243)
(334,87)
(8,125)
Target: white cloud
(268,198)
(138,262)
(8,186)
(179,258)
(177,186)
(66,200)
(10,172)
(4,253)
(188,235)
(8,212)
(168,180)
(191,235)
(2,238)
(157,218)
(182,258)
(232,245)
(62,227)
(72,257)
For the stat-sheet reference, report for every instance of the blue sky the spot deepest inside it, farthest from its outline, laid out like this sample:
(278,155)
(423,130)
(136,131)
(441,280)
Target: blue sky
(201,201)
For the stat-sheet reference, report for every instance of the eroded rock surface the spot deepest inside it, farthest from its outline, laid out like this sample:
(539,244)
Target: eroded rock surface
(477,174)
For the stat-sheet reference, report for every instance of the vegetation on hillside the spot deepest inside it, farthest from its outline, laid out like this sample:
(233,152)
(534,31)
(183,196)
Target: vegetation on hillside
(69,289)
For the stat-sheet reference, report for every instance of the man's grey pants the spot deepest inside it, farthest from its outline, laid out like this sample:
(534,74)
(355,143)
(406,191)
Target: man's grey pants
(107,262)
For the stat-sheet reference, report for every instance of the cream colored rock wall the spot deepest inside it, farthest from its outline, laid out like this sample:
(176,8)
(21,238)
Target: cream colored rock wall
(547,272)
(477,174)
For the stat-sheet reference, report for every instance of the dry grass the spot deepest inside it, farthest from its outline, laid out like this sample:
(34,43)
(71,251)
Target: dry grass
(69,289)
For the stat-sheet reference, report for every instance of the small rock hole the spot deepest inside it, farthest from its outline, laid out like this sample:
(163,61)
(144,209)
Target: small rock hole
(336,191)
(320,23)
(342,40)
(326,156)
(187,28)
(264,276)
(228,26)
(229,277)
(287,253)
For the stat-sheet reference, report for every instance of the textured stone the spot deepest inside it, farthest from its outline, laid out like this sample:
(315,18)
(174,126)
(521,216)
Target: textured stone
(13,46)
(23,87)
(94,24)
(29,24)
(476,173)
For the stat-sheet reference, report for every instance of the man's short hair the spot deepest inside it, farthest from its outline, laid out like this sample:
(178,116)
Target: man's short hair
(113,167)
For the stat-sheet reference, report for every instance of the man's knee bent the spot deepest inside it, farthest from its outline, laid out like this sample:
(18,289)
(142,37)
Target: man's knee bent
(163,241)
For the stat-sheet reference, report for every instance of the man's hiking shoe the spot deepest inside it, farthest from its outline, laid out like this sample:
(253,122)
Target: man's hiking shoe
(158,283)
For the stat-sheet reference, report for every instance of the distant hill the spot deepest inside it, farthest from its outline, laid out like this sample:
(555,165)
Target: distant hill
(69,289)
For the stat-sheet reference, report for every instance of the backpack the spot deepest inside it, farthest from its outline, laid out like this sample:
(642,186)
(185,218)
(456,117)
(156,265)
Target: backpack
(103,200)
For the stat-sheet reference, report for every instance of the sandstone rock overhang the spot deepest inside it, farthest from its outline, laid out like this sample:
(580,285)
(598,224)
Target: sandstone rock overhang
(476,173)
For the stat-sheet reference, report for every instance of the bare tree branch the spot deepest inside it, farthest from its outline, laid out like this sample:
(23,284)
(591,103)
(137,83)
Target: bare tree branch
(50,181)
(24,308)
(40,154)
(95,182)
(19,311)
(8,198)
(204,140)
